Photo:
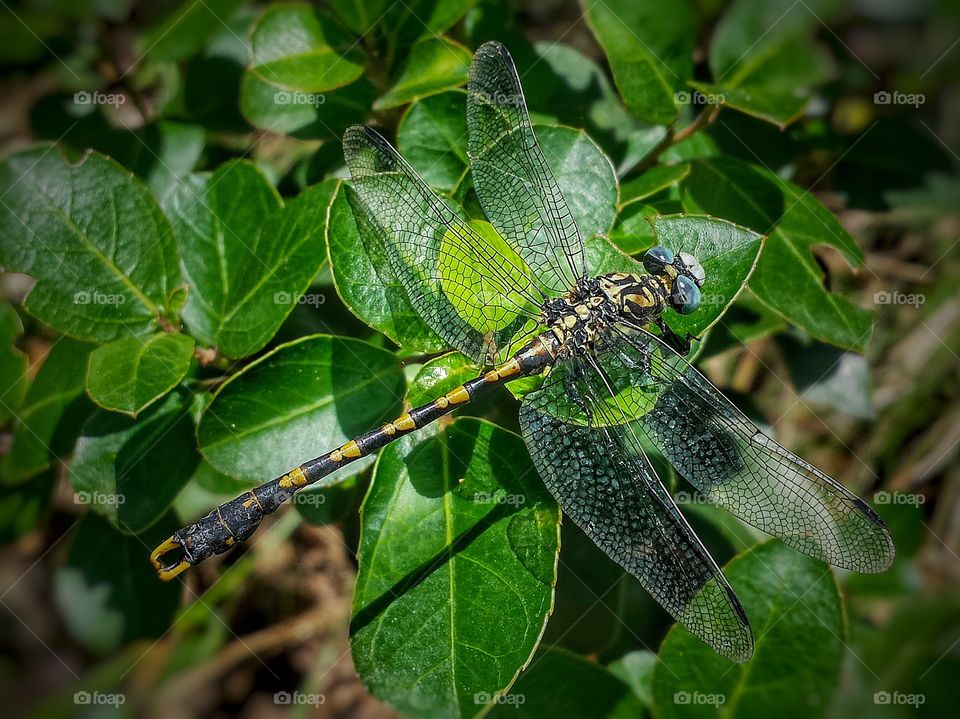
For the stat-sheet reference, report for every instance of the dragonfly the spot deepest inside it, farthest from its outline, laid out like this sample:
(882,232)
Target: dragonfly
(615,384)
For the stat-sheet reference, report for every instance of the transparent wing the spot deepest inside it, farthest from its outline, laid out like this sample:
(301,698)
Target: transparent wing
(469,290)
(516,188)
(603,480)
(727,458)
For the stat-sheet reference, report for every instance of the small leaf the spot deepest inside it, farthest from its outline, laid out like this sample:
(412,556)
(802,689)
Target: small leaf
(247,259)
(361,273)
(434,64)
(49,419)
(795,609)
(458,554)
(298,401)
(93,238)
(129,470)
(130,374)
(788,278)
(23,506)
(295,47)
(107,593)
(404,22)
(649,47)
(305,74)
(636,670)
(13,363)
(566,686)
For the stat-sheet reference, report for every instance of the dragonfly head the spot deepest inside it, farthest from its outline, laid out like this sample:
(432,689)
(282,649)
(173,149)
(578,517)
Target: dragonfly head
(682,274)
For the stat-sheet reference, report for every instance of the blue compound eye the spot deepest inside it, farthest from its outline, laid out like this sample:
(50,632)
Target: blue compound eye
(656,258)
(686,295)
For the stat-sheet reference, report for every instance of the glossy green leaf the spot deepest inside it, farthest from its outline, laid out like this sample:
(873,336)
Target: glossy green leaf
(306,74)
(457,554)
(434,64)
(566,686)
(432,136)
(129,470)
(93,238)
(247,259)
(826,375)
(727,252)
(300,400)
(295,47)
(13,363)
(130,374)
(585,175)
(49,419)
(797,617)
(788,278)
(184,30)
(107,593)
(649,46)
(362,276)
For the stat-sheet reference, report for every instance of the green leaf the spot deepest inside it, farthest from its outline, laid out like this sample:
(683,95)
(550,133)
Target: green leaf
(93,238)
(129,470)
(305,75)
(296,402)
(13,363)
(49,419)
(128,375)
(363,279)
(183,32)
(566,686)
(23,506)
(458,553)
(107,593)
(763,59)
(434,64)
(585,176)
(432,136)
(726,251)
(788,278)
(795,609)
(404,22)
(649,46)
(295,47)
(247,259)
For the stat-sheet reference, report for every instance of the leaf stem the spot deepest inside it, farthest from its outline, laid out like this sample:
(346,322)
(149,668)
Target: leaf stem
(701,121)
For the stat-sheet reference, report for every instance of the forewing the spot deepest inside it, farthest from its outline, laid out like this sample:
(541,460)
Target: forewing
(605,483)
(466,289)
(516,188)
(727,458)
